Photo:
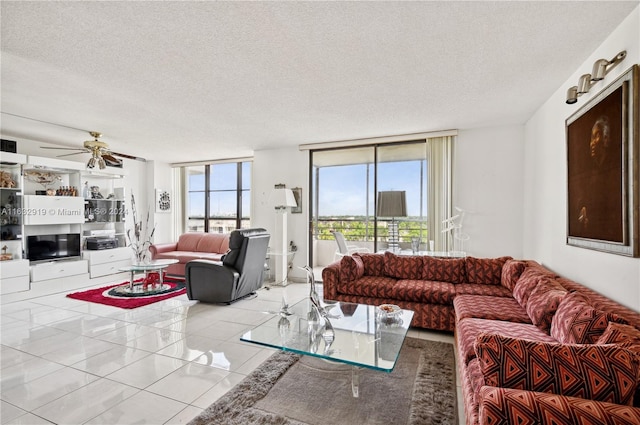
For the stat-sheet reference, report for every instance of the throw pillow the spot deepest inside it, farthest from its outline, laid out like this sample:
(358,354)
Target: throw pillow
(625,335)
(511,272)
(577,322)
(526,284)
(443,270)
(351,268)
(606,373)
(487,271)
(402,266)
(373,263)
(543,303)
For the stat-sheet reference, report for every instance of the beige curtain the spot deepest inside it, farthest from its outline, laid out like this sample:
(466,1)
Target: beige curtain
(440,152)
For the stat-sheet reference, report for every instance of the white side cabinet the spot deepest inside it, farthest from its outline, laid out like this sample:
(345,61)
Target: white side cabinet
(107,261)
(14,276)
(58,269)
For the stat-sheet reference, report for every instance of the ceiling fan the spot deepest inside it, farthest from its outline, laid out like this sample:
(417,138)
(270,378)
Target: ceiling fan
(101,155)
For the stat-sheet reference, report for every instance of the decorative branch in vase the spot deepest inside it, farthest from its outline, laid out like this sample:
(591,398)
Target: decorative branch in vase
(139,237)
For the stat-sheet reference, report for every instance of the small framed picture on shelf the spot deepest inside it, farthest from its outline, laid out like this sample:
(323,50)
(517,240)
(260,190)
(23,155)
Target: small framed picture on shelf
(297,193)
(163,201)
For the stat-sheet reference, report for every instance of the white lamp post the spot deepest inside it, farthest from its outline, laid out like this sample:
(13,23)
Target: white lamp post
(282,199)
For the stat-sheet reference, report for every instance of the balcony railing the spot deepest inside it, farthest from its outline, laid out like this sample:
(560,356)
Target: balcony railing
(362,229)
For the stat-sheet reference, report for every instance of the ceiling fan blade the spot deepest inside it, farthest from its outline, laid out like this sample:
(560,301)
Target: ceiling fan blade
(70,154)
(64,149)
(124,155)
(111,160)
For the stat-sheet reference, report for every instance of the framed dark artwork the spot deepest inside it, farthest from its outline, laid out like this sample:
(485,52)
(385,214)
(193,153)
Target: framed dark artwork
(297,193)
(602,170)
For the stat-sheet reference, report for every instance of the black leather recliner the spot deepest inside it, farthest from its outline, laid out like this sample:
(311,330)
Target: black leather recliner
(239,274)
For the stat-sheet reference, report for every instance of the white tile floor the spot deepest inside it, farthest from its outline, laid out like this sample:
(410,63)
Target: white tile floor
(66,361)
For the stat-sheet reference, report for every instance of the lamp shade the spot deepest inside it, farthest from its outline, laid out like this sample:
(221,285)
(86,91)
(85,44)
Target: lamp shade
(392,203)
(283,198)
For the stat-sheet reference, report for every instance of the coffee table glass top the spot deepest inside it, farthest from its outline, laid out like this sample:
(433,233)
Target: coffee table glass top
(363,336)
(151,265)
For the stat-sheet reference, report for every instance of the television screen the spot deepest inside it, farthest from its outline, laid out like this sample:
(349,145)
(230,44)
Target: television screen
(53,247)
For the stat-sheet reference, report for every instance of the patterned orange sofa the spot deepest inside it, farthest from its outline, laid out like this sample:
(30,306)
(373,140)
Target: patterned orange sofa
(191,246)
(426,285)
(532,347)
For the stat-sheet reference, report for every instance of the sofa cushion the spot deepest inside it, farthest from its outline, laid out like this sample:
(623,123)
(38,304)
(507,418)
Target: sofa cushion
(189,241)
(402,266)
(490,308)
(511,272)
(486,271)
(543,303)
(488,290)
(597,372)
(577,322)
(526,284)
(373,263)
(444,270)
(624,335)
(424,291)
(469,329)
(508,406)
(351,268)
(368,286)
(213,242)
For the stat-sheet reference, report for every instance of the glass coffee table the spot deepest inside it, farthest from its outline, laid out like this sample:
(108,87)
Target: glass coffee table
(151,266)
(362,336)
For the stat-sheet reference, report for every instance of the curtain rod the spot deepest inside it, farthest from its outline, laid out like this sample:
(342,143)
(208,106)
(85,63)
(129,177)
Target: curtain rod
(377,140)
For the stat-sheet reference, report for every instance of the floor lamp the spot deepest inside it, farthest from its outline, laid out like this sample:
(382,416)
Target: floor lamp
(392,203)
(282,199)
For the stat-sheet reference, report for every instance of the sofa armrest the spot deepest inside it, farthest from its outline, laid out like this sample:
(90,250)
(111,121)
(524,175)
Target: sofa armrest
(508,406)
(330,280)
(162,247)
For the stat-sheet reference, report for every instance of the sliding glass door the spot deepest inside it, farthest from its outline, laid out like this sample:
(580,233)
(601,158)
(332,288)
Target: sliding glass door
(345,186)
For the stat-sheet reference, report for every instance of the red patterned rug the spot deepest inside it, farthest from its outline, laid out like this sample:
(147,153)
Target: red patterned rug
(142,294)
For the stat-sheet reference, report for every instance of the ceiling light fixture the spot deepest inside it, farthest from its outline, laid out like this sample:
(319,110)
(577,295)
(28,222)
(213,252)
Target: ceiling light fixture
(601,68)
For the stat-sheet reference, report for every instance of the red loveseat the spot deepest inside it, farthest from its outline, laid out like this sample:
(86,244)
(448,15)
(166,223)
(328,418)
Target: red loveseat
(191,246)
(532,347)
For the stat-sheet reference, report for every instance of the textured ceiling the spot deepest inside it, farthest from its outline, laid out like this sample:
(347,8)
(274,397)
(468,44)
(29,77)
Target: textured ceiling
(189,81)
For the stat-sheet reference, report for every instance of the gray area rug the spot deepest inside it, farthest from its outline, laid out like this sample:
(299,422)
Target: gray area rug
(292,389)
(303,390)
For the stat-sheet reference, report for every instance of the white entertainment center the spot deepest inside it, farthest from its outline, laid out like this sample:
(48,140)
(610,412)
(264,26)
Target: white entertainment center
(60,220)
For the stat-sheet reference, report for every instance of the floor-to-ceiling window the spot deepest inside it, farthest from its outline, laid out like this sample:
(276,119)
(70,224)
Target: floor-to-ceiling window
(218,197)
(346,183)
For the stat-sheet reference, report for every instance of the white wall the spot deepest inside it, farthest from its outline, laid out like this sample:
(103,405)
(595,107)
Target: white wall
(488,185)
(545,183)
(158,176)
(290,167)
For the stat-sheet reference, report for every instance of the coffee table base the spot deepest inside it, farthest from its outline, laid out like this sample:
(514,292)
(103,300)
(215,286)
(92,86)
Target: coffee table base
(142,289)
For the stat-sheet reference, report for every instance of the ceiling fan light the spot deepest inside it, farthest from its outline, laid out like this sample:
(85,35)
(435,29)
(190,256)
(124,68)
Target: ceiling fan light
(101,163)
(91,163)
